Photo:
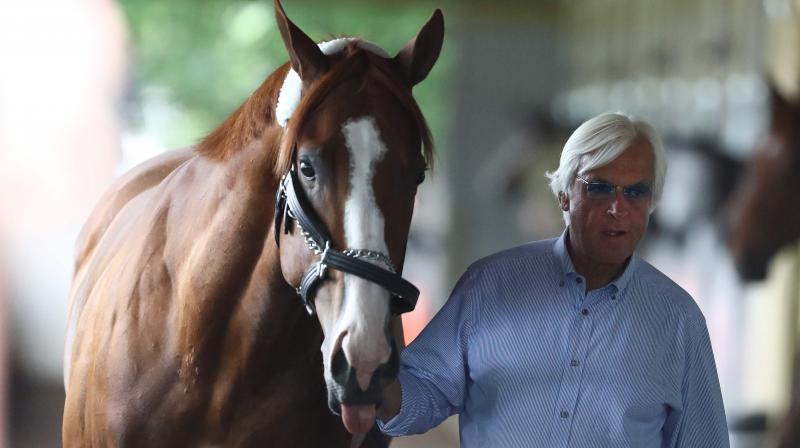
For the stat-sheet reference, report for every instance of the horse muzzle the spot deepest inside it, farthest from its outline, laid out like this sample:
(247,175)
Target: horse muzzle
(346,397)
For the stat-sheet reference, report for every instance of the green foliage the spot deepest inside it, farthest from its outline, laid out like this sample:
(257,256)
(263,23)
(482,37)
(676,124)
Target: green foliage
(199,60)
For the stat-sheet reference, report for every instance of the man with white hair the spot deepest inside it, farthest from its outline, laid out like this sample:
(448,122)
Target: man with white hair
(572,341)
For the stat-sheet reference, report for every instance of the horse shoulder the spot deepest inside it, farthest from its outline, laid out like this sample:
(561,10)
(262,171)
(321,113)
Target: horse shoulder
(139,179)
(111,331)
(88,260)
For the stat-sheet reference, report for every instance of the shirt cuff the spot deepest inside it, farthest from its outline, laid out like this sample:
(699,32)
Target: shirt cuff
(400,424)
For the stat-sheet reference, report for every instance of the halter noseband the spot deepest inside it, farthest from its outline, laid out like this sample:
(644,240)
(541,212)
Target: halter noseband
(291,204)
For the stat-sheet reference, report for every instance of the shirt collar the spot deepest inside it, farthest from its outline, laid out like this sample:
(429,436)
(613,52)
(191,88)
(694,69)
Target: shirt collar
(562,255)
(567,268)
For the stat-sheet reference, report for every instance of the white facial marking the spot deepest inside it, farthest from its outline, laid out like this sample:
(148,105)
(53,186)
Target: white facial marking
(365,303)
(289,96)
(363,221)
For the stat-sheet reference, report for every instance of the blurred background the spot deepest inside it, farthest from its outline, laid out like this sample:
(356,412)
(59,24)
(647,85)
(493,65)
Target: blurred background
(89,88)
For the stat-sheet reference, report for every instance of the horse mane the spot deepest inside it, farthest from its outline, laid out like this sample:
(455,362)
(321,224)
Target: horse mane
(248,122)
(257,113)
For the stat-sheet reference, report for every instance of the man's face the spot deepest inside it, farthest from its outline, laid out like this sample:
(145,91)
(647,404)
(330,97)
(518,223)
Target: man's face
(606,231)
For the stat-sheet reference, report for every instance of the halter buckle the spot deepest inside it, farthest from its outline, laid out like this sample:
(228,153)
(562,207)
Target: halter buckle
(323,265)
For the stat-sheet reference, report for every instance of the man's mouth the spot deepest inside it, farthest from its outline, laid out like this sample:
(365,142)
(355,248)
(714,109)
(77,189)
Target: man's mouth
(614,233)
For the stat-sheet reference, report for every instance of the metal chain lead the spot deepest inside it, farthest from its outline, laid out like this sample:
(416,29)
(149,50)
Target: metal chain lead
(311,242)
(365,254)
(374,255)
(315,247)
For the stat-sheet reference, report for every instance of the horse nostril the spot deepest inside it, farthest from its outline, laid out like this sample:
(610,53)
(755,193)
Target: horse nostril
(347,388)
(344,373)
(340,368)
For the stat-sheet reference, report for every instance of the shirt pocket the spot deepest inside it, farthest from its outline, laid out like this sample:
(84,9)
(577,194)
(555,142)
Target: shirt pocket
(640,399)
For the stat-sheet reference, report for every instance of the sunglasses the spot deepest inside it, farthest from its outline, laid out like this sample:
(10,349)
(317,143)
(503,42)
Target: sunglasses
(605,190)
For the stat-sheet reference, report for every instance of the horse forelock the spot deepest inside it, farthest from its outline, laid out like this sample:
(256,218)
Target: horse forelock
(291,89)
(356,61)
(353,58)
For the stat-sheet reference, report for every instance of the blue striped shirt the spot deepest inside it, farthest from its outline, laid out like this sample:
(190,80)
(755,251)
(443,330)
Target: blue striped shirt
(527,358)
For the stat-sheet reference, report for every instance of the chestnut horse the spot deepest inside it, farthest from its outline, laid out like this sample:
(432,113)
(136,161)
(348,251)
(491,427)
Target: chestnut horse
(765,218)
(764,213)
(185,325)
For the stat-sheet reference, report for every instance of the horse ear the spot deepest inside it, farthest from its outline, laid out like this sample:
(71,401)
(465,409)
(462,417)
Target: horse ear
(419,55)
(305,56)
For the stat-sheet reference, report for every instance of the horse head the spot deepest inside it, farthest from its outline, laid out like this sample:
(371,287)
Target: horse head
(354,149)
(762,218)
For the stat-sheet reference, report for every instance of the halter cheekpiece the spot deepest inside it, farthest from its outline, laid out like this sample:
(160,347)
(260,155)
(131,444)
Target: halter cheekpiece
(291,204)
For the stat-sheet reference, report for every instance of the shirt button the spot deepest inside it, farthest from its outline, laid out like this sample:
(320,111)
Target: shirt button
(578,280)
(561,283)
(613,297)
(584,311)
(574,363)
(564,414)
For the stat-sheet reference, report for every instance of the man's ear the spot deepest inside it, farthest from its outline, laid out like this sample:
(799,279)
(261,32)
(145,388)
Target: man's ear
(563,201)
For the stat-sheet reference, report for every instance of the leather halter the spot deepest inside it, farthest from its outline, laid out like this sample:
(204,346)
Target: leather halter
(291,204)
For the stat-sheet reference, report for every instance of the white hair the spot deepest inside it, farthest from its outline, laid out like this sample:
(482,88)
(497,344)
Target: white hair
(601,140)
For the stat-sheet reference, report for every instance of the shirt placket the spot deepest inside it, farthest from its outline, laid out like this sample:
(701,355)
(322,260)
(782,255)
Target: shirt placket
(569,391)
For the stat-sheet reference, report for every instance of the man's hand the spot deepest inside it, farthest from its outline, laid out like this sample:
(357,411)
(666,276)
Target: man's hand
(392,397)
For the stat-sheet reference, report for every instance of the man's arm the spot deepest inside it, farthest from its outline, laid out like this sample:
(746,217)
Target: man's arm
(433,369)
(700,421)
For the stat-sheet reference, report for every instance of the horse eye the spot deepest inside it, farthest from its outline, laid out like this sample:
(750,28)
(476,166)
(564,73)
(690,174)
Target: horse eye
(307,170)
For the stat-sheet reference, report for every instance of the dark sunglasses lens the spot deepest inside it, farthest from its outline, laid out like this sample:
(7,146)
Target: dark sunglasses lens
(599,189)
(636,191)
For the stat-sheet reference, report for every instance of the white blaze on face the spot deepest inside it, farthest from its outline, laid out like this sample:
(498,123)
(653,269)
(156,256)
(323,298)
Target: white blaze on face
(365,304)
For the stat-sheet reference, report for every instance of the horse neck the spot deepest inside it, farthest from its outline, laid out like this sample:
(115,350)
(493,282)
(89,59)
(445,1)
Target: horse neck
(238,321)
(266,295)
(251,307)
(272,319)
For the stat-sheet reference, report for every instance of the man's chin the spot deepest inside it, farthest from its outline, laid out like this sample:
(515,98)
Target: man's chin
(614,256)
(615,250)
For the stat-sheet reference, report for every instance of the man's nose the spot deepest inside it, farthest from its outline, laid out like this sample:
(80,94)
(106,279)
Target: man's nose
(619,207)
